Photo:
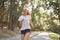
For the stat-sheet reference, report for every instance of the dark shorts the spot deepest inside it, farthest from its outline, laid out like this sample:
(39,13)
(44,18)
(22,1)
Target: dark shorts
(25,31)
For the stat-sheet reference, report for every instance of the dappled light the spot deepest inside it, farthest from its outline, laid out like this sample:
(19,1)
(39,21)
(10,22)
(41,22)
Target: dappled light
(42,36)
(45,16)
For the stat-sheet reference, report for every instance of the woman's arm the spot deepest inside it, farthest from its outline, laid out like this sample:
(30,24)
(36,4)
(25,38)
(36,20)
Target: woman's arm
(20,24)
(20,19)
(31,24)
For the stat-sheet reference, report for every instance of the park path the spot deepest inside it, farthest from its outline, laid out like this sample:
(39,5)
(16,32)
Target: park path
(34,36)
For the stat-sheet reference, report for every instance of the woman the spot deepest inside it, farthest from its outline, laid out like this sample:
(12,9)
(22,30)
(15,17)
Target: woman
(25,22)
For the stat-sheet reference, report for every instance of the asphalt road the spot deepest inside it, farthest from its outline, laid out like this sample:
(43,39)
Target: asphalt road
(34,36)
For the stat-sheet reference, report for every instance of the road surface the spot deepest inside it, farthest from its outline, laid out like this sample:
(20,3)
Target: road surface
(34,36)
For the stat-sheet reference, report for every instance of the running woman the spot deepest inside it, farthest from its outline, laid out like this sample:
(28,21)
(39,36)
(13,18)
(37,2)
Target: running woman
(26,24)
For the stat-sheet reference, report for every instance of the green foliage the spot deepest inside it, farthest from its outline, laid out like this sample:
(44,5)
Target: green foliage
(3,36)
(54,36)
(41,21)
(54,28)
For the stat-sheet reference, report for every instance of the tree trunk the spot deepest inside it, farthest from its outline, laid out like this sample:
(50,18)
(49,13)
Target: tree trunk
(11,9)
(1,11)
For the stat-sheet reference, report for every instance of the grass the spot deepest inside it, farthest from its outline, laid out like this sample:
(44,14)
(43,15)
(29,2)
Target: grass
(3,36)
(54,36)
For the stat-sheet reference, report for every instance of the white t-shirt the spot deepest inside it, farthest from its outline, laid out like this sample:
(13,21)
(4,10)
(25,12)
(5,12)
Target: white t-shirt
(25,22)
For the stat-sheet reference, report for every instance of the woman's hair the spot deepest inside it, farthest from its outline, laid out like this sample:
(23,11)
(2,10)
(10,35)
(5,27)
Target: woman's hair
(27,11)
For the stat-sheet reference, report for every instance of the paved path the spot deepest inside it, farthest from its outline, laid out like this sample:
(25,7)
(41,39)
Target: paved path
(34,36)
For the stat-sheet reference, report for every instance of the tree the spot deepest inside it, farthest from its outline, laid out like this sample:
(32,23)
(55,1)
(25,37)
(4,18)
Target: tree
(12,14)
(2,11)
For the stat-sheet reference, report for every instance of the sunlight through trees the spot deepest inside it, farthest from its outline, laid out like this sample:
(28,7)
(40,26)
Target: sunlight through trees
(45,14)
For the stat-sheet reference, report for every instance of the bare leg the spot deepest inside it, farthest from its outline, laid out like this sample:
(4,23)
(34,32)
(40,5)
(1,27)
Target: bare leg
(22,36)
(27,35)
